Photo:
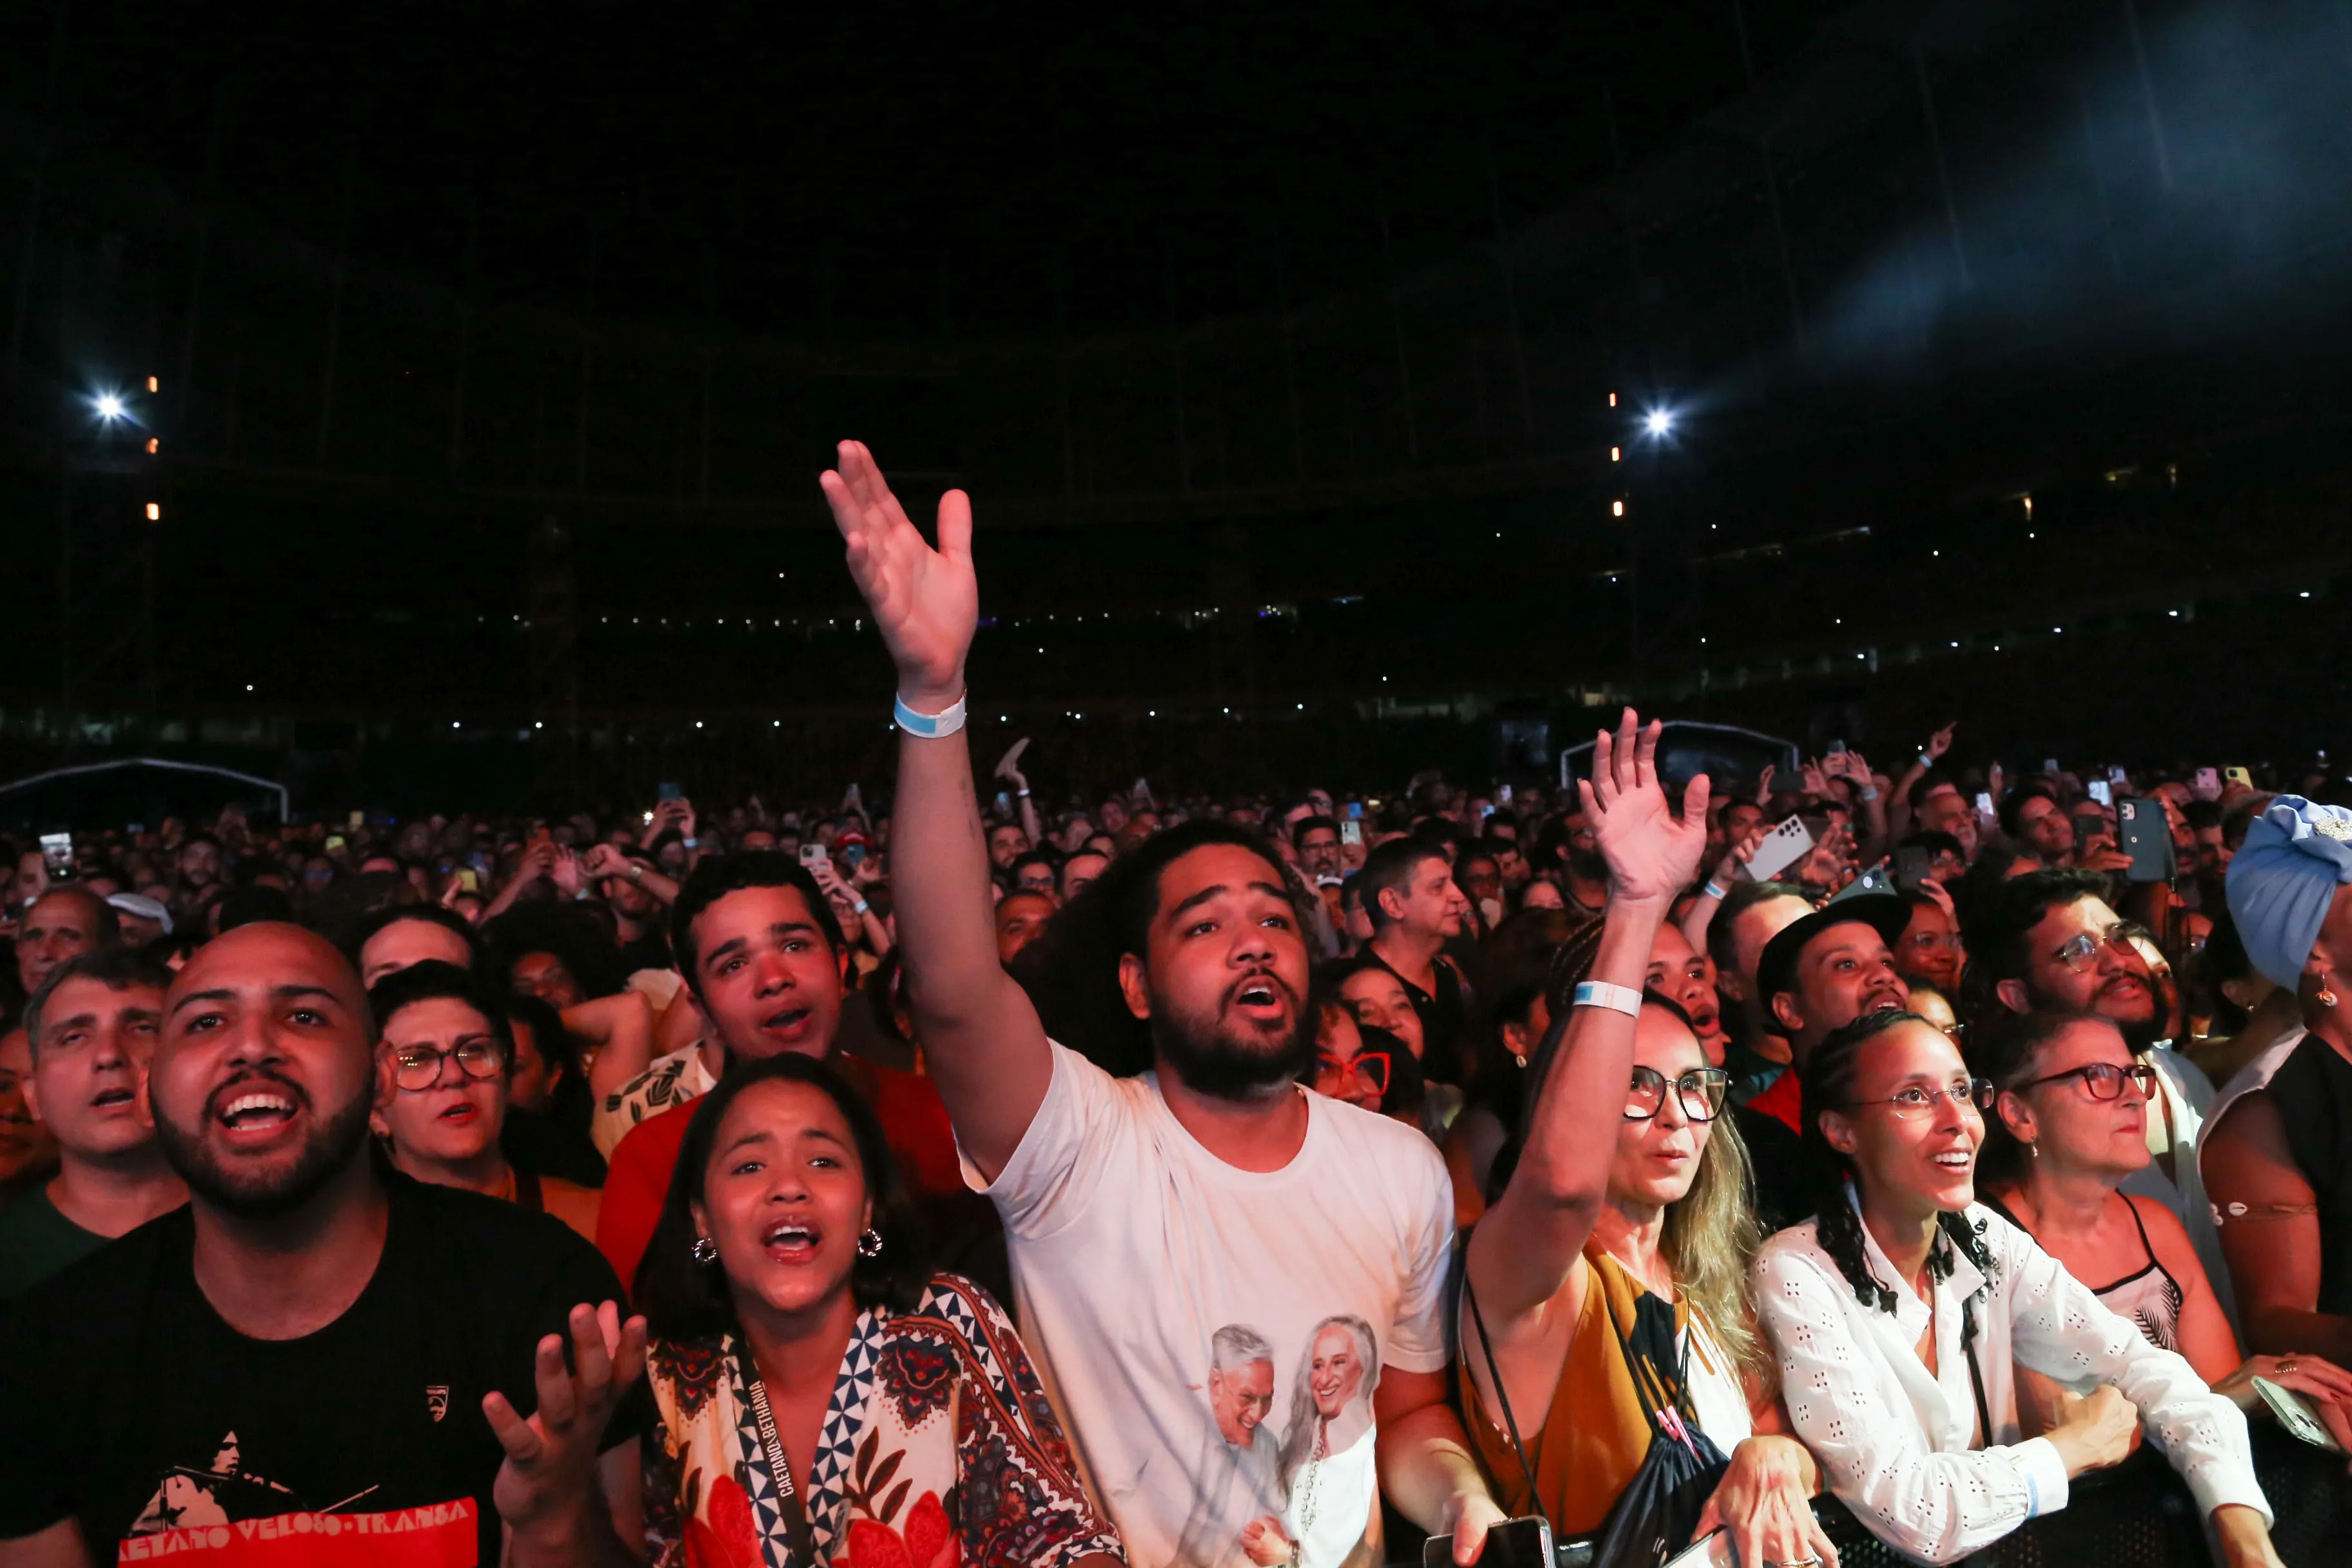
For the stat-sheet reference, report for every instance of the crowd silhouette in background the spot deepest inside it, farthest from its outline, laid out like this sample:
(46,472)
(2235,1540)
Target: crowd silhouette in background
(1872,1163)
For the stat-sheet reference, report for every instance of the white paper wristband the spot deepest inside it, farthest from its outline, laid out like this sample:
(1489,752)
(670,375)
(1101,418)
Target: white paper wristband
(1618,998)
(929,726)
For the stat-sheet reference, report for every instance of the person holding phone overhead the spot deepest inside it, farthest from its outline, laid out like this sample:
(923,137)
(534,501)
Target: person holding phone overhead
(1604,1297)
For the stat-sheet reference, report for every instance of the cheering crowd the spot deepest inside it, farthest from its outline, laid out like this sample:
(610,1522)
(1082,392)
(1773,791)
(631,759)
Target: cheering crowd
(962,1177)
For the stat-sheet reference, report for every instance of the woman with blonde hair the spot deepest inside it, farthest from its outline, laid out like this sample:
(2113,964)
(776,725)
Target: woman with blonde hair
(1605,1317)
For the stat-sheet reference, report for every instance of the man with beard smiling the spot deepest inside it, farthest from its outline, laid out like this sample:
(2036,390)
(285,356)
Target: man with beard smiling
(2049,942)
(314,1347)
(1210,1190)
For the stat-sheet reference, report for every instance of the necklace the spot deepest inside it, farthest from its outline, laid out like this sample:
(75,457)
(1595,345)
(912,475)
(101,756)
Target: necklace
(1306,1502)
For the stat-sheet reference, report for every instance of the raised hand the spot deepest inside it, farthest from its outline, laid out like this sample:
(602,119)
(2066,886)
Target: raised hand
(551,1465)
(603,861)
(565,872)
(1940,741)
(1008,767)
(1737,855)
(925,600)
(1652,854)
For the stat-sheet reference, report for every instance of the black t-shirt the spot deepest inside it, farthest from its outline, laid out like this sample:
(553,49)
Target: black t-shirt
(2313,1093)
(1443,1012)
(1788,1179)
(127,1403)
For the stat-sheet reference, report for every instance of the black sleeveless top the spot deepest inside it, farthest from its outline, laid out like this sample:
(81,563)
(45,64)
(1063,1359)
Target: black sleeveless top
(2312,1092)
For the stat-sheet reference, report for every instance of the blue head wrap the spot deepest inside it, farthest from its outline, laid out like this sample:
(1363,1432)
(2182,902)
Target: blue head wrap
(2280,883)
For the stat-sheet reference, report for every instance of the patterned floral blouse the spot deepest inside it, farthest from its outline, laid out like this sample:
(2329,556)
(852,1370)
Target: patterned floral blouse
(938,1450)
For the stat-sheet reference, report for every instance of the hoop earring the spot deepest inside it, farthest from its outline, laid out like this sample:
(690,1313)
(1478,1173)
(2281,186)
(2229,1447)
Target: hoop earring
(704,1251)
(869,1245)
(2327,997)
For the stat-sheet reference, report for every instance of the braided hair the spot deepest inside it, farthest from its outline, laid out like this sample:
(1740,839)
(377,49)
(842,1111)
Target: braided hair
(1827,1080)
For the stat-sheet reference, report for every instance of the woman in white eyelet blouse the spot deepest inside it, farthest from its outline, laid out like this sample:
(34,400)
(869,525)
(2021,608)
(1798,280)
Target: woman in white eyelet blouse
(1882,1392)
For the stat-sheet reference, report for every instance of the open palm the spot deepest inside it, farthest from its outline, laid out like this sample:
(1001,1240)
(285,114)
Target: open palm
(925,600)
(1652,853)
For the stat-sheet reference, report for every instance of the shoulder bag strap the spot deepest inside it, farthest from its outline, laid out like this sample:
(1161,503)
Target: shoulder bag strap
(1976,1373)
(1502,1398)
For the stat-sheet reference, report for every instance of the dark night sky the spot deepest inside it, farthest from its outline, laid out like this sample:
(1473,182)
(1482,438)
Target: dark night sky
(887,168)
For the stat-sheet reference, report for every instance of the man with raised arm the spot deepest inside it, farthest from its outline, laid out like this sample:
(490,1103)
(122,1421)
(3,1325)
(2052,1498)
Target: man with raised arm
(1146,1214)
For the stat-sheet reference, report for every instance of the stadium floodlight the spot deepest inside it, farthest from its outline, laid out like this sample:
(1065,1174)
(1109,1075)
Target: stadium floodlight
(1659,422)
(109,406)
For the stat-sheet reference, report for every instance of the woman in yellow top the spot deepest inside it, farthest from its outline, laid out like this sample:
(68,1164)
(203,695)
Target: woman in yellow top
(1626,1222)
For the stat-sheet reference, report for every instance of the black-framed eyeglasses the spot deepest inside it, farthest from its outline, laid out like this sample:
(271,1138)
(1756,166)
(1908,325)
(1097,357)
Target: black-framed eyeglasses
(2081,951)
(1700,1093)
(2104,1079)
(418,1068)
(1974,1094)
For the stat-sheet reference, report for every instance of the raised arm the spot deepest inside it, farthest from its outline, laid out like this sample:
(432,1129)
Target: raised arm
(1898,820)
(981,1039)
(1728,870)
(1522,1250)
(1008,768)
(621,1028)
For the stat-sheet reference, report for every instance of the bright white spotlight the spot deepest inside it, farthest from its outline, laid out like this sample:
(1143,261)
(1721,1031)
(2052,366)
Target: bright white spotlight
(109,406)
(1659,422)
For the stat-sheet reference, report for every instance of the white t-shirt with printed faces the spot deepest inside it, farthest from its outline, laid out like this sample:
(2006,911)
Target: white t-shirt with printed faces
(1212,1336)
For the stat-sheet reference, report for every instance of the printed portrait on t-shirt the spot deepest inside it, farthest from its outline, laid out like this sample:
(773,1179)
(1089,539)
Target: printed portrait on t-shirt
(230,1517)
(1327,1473)
(1238,1480)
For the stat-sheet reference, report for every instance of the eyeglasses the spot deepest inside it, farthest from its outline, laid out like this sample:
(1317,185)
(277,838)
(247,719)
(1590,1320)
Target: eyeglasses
(418,1068)
(1699,1092)
(1970,1094)
(2104,1080)
(1372,1066)
(2079,952)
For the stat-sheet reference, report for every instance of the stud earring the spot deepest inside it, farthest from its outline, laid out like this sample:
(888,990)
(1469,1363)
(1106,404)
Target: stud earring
(704,1251)
(869,1245)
